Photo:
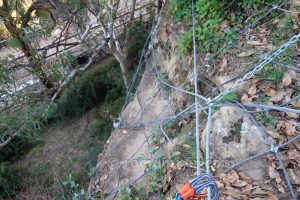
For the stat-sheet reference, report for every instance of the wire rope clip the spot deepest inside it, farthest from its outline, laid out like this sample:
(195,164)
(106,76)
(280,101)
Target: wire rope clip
(196,189)
(274,149)
(117,122)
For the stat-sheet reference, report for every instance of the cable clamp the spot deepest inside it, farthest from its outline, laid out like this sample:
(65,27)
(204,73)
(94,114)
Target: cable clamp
(274,149)
(117,123)
(208,101)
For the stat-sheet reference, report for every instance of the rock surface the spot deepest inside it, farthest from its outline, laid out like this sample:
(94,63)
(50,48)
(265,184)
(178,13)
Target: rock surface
(234,137)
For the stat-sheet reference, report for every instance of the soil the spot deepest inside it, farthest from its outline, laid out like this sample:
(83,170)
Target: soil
(65,147)
(118,165)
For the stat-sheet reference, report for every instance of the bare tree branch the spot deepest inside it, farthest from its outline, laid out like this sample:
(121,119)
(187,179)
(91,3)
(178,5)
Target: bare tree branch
(10,138)
(73,74)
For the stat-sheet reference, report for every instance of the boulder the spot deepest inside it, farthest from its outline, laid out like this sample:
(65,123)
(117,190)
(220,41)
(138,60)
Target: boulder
(233,138)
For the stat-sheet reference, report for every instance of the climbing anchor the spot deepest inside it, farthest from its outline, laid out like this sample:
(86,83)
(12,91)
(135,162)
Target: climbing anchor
(195,189)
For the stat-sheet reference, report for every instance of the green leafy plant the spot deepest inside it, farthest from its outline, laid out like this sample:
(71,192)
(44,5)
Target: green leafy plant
(180,9)
(248,4)
(93,87)
(156,172)
(187,151)
(272,73)
(208,15)
(125,194)
(228,97)
(137,192)
(184,43)
(74,189)
(266,119)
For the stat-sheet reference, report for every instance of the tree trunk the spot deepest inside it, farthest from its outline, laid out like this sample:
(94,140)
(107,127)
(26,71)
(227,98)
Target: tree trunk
(124,72)
(44,78)
(27,50)
(118,54)
(37,67)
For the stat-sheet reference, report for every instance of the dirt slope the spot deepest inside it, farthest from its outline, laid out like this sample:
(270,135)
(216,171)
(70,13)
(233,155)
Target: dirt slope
(118,165)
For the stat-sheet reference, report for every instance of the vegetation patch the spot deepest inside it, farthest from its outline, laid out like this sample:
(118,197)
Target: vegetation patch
(101,86)
(217,21)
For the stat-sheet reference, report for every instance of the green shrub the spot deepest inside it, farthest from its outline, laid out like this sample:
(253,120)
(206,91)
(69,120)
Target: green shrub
(246,4)
(180,9)
(91,89)
(272,73)
(138,36)
(104,114)
(254,4)
(185,43)
(28,120)
(99,85)
(231,96)
(208,15)
(102,87)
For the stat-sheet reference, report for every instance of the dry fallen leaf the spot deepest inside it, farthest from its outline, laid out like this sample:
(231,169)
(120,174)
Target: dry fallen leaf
(294,175)
(294,12)
(255,81)
(270,47)
(280,188)
(273,134)
(224,24)
(164,34)
(104,177)
(268,89)
(247,189)
(276,21)
(270,92)
(292,115)
(272,197)
(288,94)
(245,177)
(220,184)
(293,155)
(252,90)
(263,30)
(258,192)
(287,79)
(230,178)
(245,54)
(278,96)
(167,180)
(274,174)
(247,98)
(224,63)
(232,190)
(296,104)
(263,39)
(290,127)
(239,183)
(254,43)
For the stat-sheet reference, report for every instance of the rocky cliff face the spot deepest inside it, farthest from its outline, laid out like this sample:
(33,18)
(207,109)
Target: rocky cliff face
(153,105)
(161,118)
